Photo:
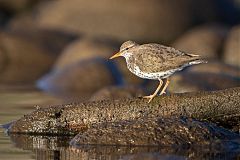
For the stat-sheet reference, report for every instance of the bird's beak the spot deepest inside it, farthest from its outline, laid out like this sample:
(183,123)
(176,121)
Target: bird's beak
(116,55)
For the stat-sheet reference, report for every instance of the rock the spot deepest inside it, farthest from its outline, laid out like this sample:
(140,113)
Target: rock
(15,5)
(232,48)
(52,40)
(116,92)
(220,107)
(150,20)
(79,80)
(83,78)
(214,75)
(206,40)
(170,131)
(83,49)
(22,61)
(30,45)
(3,61)
(84,56)
(202,81)
(22,22)
(216,67)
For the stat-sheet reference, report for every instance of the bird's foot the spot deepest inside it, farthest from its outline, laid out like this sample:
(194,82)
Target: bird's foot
(150,97)
(162,93)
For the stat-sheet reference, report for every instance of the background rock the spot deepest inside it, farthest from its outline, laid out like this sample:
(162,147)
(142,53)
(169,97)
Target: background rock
(15,5)
(232,47)
(79,80)
(23,61)
(216,67)
(202,81)
(85,60)
(83,49)
(206,40)
(151,20)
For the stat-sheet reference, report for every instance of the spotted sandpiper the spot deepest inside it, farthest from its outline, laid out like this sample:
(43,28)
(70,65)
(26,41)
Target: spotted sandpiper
(155,61)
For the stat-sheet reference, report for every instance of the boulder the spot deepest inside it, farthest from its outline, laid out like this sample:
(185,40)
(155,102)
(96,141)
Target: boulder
(22,61)
(206,40)
(170,131)
(87,60)
(15,5)
(52,40)
(83,49)
(232,47)
(216,67)
(79,80)
(194,81)
(152,20)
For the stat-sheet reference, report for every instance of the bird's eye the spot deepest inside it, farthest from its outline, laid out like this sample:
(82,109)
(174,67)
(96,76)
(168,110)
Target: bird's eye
(126,48)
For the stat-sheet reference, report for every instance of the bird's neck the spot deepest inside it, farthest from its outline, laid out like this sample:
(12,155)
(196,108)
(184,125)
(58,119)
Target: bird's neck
(127,55)
(130,60)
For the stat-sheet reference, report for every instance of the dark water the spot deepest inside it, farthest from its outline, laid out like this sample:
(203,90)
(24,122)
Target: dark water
(16,103)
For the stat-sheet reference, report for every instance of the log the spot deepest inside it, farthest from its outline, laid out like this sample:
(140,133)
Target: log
(221,107)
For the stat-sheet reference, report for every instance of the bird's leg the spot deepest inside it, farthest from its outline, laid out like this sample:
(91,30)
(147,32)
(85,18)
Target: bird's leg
(150,97)
(165,86)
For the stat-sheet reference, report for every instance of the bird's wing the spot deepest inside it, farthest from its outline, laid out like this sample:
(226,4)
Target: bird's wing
(152,58)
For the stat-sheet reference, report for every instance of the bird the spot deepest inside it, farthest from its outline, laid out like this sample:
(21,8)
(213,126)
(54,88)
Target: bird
(155,62)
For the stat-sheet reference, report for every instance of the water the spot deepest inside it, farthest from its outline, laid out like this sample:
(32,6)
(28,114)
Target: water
(14,103)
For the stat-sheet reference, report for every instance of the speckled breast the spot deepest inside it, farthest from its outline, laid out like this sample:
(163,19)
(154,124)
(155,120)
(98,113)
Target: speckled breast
(157,75)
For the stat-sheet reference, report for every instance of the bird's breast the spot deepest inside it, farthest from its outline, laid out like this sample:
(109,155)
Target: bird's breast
(135,69)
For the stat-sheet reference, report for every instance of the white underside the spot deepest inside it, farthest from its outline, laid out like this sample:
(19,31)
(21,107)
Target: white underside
(157,75)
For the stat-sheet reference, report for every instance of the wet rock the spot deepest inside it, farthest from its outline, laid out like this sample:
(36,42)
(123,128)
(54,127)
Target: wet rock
(221,107)
(117,92)
(22,61)
(205,40)
(171,131)
(232,47)
(138,20)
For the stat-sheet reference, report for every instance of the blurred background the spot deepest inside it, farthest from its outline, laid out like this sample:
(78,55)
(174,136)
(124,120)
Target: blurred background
(56,51)
(62,48)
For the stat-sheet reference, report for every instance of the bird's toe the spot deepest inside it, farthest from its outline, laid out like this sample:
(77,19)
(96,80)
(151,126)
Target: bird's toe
(162,93)
(150,97)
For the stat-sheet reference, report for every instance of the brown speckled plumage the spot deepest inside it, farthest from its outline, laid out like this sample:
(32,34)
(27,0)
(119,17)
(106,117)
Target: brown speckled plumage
(155,61)
(152,58)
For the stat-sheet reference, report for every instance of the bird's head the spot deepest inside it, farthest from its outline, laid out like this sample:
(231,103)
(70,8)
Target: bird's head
(124,49)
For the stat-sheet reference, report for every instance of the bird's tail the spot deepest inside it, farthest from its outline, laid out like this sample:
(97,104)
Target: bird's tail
(197,61)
